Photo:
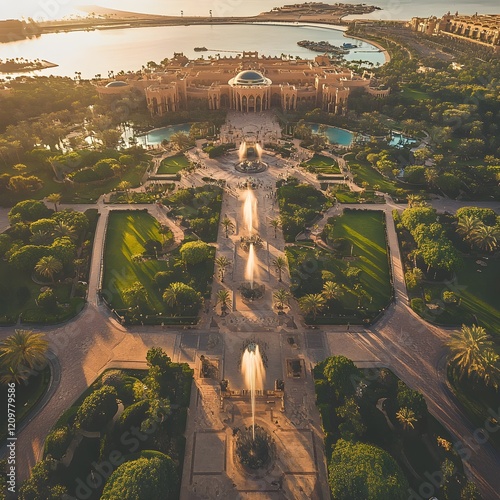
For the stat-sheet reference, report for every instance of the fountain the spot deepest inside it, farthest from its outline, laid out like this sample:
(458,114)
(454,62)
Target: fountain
(254,445)
(253,371)
(250,158)
(250,242)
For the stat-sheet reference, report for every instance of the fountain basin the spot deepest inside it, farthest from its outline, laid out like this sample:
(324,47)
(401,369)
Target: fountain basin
(252,291)
(251,166)
(254,450)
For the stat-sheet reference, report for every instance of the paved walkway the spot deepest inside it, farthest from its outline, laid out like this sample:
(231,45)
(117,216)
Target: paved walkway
(412,348)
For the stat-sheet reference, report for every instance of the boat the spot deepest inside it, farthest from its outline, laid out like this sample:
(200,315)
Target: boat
(200,49)
(347,45)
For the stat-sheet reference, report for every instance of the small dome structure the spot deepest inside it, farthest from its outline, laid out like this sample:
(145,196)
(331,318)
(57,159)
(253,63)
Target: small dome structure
(249,77)
(116,83)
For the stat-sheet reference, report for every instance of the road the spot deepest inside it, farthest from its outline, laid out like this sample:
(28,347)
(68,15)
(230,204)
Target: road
(401,340)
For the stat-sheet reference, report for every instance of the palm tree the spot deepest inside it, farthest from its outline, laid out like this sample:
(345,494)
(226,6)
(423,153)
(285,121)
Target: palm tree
(431,176)
(54,198)
(275,224)
(135,296)
(223,298)
(62,229)
(486,237)
(227,224)
(48,267)
(164,230)
(467,349)
(281,298)
(14,375)
(415,200)
(406,418)
(41,238)
(467,226)
(223,262)
(22,350)
(279,264)
(171,294)
(332,290)
(489,368)
(124,186)
(312,303)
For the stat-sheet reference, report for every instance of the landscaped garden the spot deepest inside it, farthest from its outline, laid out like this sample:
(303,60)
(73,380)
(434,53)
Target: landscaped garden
(86,174)
(23,363)
(380,430)
(451,275)
(45,263)
(125,433)
(344,195)
(197,209)
(173,164)
(345,278)
(299,205)
(322,164)
(366,176)
(142,263)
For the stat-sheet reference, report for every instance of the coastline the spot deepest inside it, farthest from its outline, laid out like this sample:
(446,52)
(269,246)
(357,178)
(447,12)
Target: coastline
(387,56)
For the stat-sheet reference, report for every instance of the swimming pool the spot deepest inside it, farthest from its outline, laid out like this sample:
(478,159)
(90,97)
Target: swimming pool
(335,135)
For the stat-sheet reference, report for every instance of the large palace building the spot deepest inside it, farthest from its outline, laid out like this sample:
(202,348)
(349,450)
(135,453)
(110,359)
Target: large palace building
(247,83)
(479,29)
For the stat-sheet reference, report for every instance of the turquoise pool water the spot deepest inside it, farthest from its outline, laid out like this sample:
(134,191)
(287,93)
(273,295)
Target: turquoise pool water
(157,135)
(400,140)
(335,135)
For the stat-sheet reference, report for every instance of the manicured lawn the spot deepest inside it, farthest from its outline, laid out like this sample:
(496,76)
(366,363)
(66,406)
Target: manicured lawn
(165,437)
(367,196)
(23,292)
(362,299)
(480,292)
(127,232)
(173,164)
(415,95)
(89,193)
(366,231)
(323,164)
(418,448)
(476,400)
(363,172)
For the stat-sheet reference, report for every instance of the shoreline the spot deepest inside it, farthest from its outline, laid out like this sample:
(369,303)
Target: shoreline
(28,68)
(384,51)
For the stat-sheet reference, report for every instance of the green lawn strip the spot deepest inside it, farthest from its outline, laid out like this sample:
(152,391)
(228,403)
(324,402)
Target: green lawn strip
(478,293)
(366,232)
(173,164)
(363,172)
(89,193)
(323,164)
(21,299)
(476,400)
(27,396)
(414,95)
(126,234)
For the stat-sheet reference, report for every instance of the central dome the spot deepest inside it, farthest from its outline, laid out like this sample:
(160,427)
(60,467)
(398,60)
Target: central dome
(250,77)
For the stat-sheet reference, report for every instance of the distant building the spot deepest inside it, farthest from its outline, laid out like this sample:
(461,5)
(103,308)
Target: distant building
(479,29)
(248,83)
